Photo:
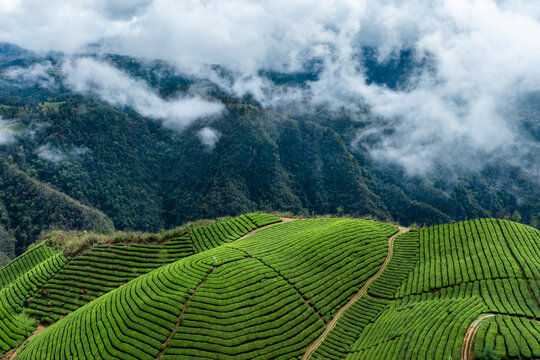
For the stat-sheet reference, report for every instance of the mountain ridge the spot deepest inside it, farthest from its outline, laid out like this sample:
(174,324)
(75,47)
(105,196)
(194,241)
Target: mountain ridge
(146,177)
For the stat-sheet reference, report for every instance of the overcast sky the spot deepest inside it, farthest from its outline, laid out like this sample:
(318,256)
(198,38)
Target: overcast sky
(482,52)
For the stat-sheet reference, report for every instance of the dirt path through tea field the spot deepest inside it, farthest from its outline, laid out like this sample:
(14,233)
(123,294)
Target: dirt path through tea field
(332,324)
(468,341)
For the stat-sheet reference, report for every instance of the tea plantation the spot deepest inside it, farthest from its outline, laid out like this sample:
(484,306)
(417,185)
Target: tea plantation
(456,291)
(463,270)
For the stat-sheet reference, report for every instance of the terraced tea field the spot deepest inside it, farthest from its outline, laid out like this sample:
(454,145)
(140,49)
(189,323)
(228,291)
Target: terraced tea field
(463,270)
(107,266)
(47,285)
(367,308)
(254,298)
(21,279)
(329,288)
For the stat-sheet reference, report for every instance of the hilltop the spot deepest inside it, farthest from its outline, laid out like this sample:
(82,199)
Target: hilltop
(257,286)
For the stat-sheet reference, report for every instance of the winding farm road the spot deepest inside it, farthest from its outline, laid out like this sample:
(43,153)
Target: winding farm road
(467,349)
(332,324)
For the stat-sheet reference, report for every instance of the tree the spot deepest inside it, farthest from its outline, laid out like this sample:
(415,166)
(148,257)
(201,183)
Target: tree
(488,354)
(516,216)
(535,222)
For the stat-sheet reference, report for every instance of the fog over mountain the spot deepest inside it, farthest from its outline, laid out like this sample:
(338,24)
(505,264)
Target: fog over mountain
(88,76)
(466,58)
(390,150)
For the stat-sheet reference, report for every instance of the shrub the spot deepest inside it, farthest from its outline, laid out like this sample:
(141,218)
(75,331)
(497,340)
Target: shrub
(489,353)
(25,322)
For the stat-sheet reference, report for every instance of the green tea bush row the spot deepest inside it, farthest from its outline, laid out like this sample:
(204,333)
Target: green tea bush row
(211,236)
(510,336)
(245,311)
(261,219)
(131,322)
(23,263)
(107,266)
(405,257)
(469,251)
(349,328)
(429,329)
(525,246)
(494,262)
(99,271)
(13,297)
(327,260)
(503,296)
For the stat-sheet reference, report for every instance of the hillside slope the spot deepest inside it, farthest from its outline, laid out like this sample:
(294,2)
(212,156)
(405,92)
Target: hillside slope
(27,207)
(48,283)
(146,177)
(463,270)
(255,298)
(211,292)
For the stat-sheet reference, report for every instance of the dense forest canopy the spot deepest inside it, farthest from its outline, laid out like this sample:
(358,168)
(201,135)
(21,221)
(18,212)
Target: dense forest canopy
(146,176)
(365,116)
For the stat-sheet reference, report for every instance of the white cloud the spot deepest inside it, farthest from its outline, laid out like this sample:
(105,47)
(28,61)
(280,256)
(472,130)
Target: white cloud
(7,6)
(5,137)
(481,51)
(38,73)
(209,137)
(89,76)
(484,55)
(50,153)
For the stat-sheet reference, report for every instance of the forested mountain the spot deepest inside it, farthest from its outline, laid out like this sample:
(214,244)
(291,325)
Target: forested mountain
(29,207)
(145,176)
